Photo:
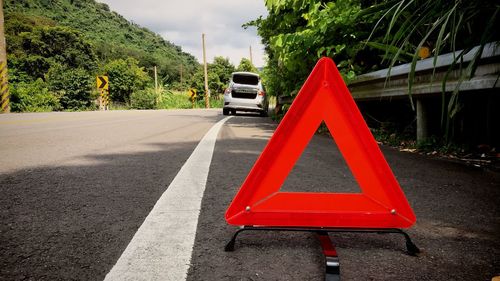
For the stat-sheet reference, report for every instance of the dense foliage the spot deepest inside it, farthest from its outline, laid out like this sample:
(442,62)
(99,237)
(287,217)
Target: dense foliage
(246,65)
(112,36)
(297,33)
(219,73)
(366,35)
(33,97)
(162,99)
(439,26)
(72,86)
(56,60)
(125,78)
(57,47)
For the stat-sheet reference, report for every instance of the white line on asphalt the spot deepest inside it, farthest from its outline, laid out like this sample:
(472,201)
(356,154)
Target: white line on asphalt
(161,248)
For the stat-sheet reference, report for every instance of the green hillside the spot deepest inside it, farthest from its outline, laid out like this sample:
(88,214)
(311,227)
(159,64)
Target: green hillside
(111,35)
(55,49)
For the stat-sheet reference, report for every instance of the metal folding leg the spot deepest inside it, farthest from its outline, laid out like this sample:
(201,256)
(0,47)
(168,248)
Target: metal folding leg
(331,258)
(332,267)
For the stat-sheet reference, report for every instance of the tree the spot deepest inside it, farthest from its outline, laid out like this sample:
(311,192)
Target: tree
(49,37)
(214,84)
(297,33)
(52,66)
(223,68)
(73,86)
(246,65)
(33,97)
(113,36)
(219,73)
(62,45)
(36,44)
(125,77)
(366,35)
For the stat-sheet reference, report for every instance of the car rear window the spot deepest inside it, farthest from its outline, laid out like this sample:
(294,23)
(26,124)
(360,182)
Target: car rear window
(246,79)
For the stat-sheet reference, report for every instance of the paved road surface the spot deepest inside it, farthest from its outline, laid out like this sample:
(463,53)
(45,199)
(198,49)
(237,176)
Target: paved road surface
(76,187)
(457,208)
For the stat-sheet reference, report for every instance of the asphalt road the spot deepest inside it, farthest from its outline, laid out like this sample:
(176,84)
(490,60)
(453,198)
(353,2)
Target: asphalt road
(457,209)
(75,187)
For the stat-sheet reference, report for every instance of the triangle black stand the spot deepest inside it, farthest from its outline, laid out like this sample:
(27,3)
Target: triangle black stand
(332,268)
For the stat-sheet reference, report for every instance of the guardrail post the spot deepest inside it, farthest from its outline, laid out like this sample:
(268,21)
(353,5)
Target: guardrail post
(422,128)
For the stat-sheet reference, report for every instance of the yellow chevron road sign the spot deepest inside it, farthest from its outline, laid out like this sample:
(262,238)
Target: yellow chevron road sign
(102,82)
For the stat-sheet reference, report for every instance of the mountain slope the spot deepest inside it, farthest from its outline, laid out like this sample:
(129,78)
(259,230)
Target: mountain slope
(111,35)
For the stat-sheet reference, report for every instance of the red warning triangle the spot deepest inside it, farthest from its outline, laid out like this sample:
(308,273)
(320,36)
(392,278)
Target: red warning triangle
(381,203)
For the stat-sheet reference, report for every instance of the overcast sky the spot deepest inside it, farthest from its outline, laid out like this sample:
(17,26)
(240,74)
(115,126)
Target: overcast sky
(183,22)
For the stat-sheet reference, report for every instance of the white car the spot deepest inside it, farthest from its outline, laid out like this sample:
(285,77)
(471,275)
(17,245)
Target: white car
(245,93)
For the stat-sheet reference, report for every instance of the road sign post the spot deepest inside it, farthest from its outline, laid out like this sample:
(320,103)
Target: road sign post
(192,96)
(104,100)
(103,86)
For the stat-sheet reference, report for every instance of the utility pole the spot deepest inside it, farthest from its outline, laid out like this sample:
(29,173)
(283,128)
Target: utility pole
(181,73)
(251,60)
(4,85)
(156,80)
(158,94)
(207,93)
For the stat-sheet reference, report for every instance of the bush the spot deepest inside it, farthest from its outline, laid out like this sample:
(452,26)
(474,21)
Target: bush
(33,97)
(246,65)
(215,102)
(125,78)
(147,99)
(72,85)
(143,99)
(219,74)
(175,100)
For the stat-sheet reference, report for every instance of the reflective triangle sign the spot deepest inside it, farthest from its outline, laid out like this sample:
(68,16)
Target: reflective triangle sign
(381,203)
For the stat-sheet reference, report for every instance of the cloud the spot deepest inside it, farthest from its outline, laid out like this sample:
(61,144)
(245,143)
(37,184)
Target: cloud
(183,22)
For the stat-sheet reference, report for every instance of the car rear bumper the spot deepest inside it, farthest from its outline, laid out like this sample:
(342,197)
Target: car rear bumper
(244,108)
(251,105)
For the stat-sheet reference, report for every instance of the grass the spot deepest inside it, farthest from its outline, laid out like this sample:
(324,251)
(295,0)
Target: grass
(149,99)
(181,100)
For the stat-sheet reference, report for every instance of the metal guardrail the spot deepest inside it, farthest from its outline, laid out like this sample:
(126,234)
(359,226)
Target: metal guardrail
(428,78)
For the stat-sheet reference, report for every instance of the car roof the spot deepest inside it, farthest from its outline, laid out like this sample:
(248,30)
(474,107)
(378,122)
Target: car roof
(245,73)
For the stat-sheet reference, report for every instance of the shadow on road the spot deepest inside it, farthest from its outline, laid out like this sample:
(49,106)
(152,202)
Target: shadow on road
(73,222)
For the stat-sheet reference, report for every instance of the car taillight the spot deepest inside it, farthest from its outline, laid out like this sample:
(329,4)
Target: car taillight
(227,91)
(262,93)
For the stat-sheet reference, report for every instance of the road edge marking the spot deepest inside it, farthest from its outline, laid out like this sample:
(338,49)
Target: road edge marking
(162,246)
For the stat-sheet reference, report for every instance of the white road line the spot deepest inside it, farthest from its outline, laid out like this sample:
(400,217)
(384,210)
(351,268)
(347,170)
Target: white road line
(161,249)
